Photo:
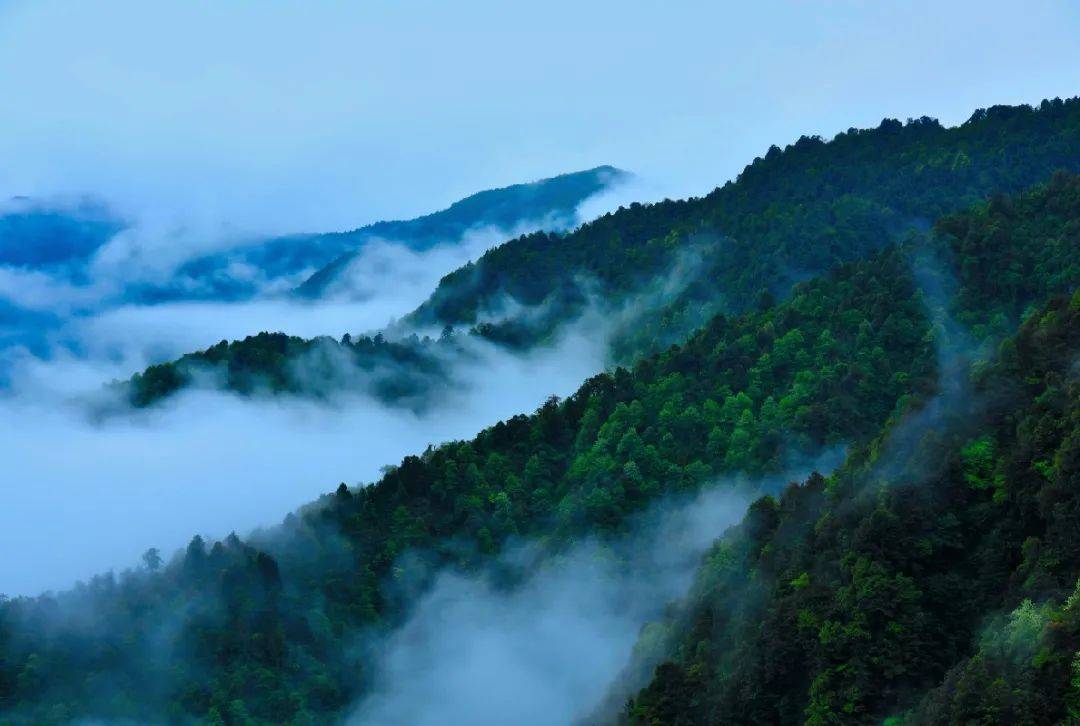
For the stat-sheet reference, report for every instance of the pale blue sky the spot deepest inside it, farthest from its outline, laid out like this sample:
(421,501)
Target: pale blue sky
(284,116)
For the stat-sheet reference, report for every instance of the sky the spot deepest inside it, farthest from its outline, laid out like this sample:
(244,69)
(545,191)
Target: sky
(277,116)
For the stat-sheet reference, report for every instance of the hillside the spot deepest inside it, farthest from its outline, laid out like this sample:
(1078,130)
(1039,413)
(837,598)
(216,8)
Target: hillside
(788,216)
(932,580)
(320,258)
(552,202)
(659,271)
(255,630)
(929,578)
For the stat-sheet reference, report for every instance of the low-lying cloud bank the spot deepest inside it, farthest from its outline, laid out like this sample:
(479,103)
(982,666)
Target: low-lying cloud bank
(83,496)
(80,496)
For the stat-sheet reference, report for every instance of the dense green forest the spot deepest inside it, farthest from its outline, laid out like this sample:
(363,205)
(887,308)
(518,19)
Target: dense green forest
(933,579)
(905,585)
(660,271)
(788,216)
(402,371)
(267,616)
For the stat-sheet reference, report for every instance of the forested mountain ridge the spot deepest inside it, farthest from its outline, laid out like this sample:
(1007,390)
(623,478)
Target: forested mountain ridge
(937,586)
(547,203)
(239,632)
(931,579)
(399,371)
(790,215)
(555,200)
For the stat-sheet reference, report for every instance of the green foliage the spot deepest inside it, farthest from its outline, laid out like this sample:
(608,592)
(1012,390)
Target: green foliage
(838,600)
(402,371)
(669,267)
(896,574)
(741,396)
(788,216)
(979,464)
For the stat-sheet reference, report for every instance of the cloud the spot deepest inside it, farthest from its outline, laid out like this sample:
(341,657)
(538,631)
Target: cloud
(82,497)
(40,291)
(547,650)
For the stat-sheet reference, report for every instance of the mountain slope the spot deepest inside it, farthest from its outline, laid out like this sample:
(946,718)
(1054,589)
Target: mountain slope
(789,215)
(549,203)
(845,600)
(952,562)
(662,270)
(255,630)
(318,259)
(37,237)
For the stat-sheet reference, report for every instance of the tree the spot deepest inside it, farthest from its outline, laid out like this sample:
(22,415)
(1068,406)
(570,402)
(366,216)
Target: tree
(152,559)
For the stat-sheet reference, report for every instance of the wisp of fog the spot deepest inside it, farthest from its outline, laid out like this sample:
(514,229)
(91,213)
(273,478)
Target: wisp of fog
(547,650)
(81,496)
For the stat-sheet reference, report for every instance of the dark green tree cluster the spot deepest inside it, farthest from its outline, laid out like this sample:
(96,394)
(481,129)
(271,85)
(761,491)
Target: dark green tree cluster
(790,215)
(846,600)
(401,371)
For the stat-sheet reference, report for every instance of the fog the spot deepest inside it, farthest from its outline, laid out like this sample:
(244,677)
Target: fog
(548,650)
(387,280)
(544,652)
(82,497)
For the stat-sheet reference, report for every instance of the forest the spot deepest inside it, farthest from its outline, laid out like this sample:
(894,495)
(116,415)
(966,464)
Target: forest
(908,294)
(657,272)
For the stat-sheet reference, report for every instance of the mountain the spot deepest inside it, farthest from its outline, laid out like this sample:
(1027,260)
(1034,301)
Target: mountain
(931,579)
(316,261)
(549,204)
(788,216)
(928,578)
(659,271)
(872,582)
(54,250)
(401,372)
(49,242)
(39,237)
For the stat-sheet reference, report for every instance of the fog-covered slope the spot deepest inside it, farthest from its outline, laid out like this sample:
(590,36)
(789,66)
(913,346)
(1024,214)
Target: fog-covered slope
(549,204)
(78,280)
(317,261)
(658,271)
(281,627)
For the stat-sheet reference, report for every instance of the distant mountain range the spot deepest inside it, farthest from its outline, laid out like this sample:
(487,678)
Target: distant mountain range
(35,236)
(549,204)
(315,261)
(58,244)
